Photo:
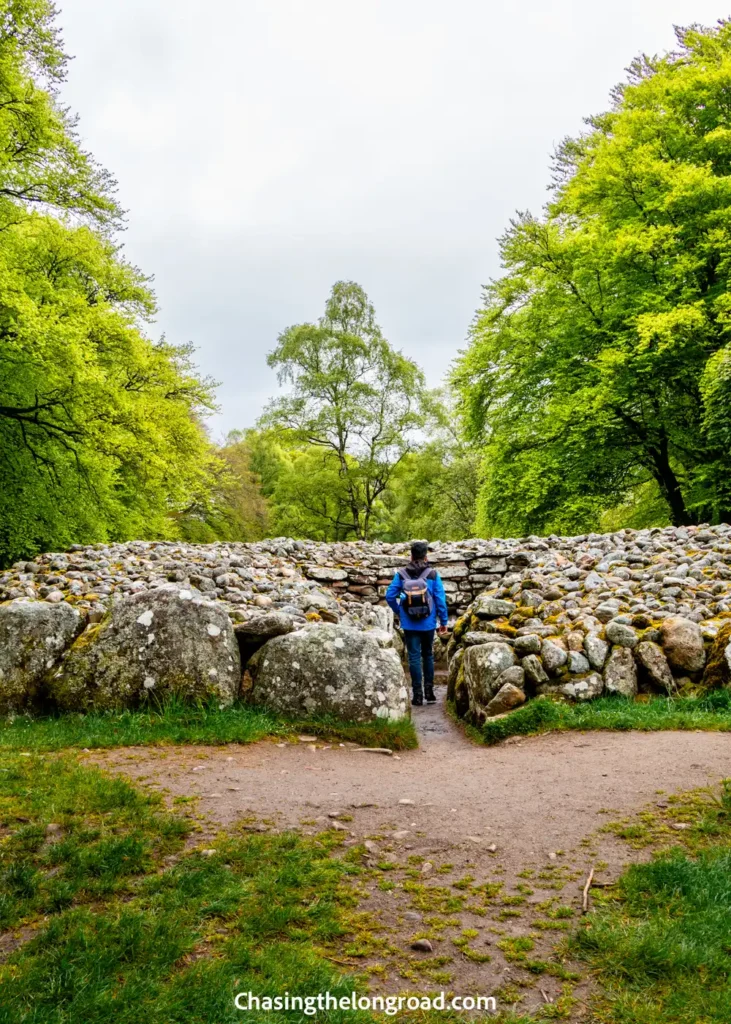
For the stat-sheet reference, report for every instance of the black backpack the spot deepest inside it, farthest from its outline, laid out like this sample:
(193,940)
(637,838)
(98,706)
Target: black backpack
(418,602)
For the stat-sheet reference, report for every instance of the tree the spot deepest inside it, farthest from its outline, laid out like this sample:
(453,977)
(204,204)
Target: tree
(591,371)
(355,401)
(434,490)
(41,162)
(101,431)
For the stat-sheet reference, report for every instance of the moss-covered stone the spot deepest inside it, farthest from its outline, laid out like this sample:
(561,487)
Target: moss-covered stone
(717,674)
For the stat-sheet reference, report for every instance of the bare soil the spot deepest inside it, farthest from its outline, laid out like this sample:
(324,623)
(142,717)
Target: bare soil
(432,816)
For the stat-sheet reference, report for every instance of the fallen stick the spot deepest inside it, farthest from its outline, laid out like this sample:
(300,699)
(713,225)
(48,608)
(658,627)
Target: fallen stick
(375,750)
(545,997)
(585,901)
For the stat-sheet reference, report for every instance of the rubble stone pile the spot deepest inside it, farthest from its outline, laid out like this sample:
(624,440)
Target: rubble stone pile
(568,617)
(633,612)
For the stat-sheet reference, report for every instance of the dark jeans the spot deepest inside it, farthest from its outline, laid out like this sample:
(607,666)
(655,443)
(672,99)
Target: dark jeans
(420,649)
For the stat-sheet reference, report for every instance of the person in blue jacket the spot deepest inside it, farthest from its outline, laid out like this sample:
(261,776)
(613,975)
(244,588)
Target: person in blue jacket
(416,595)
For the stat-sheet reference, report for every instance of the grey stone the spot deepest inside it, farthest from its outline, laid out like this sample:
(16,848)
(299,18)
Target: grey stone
(596,651)
(620,673)
(607,610)
(326,575)
(253,633)
(682,643)
(493,608)
(529,643)
(507,697)
(33,635)
(620,634)
(553,656)
(329,669)
(588,688)
(151,645)
(655,664)
(483,666)
(578,663)
(593,581)
(534,670)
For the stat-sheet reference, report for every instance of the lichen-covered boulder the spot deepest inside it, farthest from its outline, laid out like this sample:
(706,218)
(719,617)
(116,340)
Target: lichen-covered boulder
(329,669)
(508,697)
(718,668)
(482,666)
(488,607)
(657,671)
(682,642)
(155,644)
(588,688)
(33,635)
(620,673)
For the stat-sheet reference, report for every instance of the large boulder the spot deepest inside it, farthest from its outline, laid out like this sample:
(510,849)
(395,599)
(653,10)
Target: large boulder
(155,644)
(682,642)
(488,607)
(588,688)
(483,665)
(509,696)
(33,636)
(329,669)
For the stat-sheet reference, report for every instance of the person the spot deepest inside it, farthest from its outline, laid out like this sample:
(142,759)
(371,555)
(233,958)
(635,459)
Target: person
(416,595)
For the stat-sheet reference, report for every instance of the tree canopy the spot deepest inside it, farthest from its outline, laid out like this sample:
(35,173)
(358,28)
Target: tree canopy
(598,373)
(101,430)
(354,408)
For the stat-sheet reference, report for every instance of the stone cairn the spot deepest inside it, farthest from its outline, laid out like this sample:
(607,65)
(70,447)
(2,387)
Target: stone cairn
(568,617)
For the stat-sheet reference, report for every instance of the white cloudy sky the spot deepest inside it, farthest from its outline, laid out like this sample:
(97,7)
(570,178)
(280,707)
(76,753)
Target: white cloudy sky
(266,148)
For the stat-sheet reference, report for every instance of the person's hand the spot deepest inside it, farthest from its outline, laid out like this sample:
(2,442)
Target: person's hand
(442,631)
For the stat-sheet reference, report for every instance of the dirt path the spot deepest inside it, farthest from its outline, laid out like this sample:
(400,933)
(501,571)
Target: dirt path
(539,801)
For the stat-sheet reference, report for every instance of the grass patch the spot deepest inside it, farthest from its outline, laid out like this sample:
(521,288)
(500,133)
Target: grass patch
(104,918)
(177,723)
(660,940)
(711,712)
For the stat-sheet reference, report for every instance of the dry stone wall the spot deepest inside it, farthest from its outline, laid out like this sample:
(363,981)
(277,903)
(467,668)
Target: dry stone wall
(570,617)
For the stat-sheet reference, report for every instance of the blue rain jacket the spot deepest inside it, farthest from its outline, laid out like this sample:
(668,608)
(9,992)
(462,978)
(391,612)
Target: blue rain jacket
(394,596)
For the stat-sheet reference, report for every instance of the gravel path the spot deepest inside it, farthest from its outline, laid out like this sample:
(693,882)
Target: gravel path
(527,795)
(525,814)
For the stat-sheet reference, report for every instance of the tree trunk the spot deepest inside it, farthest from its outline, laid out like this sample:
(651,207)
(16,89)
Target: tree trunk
(669,485)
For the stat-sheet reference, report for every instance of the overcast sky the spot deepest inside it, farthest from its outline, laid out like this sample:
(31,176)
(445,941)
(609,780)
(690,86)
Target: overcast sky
(267,148)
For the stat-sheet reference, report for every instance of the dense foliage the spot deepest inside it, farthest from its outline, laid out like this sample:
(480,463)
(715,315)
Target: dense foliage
(598,376)
(100,429)
(352,414)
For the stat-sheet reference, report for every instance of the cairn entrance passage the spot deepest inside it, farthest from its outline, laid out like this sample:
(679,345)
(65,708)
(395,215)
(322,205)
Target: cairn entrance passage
(567,617)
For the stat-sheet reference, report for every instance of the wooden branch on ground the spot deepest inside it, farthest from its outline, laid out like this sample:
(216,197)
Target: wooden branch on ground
(585,900)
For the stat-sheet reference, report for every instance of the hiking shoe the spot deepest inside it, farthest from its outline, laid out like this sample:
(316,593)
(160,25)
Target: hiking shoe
(417,701)
(431,697)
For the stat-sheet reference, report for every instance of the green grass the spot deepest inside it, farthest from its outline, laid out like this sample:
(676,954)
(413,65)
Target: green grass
(178,723)
(712,712)
(111,929)
(662,945)
(109,916)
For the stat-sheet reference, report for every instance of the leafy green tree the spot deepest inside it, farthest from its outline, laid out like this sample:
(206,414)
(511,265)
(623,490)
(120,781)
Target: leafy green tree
(598,366)
(41,161)
(354,401)
(101,431)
